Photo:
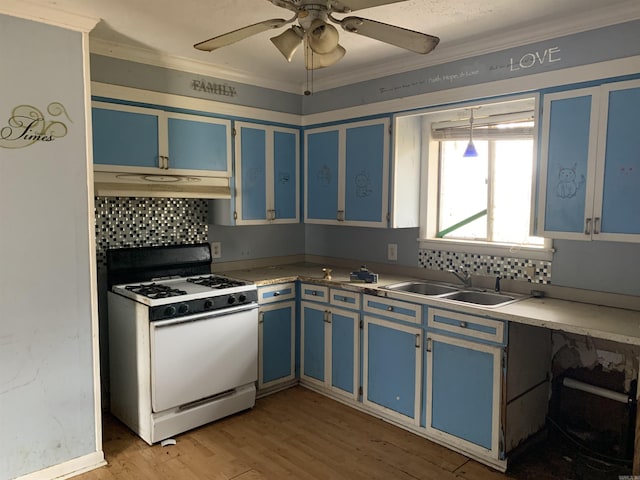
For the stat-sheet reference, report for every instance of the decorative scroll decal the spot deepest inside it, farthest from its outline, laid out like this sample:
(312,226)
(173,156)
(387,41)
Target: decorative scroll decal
(28,125)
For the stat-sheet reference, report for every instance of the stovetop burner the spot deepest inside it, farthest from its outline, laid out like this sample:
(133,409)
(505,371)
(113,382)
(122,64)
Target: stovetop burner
(214,281)
(155,290)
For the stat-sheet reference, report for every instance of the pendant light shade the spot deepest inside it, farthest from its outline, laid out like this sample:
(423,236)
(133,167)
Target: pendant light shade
(323,37)
(471,148)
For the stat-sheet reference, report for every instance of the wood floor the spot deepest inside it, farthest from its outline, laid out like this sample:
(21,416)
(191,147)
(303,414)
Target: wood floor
(295,434)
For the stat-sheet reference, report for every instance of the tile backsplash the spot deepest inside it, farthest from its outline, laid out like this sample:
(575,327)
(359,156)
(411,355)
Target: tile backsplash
(140,222)
(533,271)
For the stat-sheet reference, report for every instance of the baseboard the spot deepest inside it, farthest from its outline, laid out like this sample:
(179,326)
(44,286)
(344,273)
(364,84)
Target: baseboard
(68,469)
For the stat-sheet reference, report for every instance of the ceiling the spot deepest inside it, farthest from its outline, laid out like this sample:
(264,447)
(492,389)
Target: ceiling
(163,32)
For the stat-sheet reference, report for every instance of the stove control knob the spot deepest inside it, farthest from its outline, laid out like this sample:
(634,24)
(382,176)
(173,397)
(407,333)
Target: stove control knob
(183,308)
(231,300)
(170,311)
(208,304)
(242,298)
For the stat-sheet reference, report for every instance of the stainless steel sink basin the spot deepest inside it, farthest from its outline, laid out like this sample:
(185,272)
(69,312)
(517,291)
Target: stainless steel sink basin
(421,288)
(481,298)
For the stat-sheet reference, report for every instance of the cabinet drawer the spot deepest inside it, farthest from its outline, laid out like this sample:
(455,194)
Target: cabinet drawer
(345,298)
(407,312)
(276,293)
(316,293)
(466,325)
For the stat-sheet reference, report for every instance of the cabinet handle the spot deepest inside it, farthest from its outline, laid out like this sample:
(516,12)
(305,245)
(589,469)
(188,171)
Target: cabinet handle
(428,345)
(417,340)
(327,316)
(261,317)
(276,294)
(596,225)
(587,226)
(340,216)
(463,324)
(390,308)
(314,293)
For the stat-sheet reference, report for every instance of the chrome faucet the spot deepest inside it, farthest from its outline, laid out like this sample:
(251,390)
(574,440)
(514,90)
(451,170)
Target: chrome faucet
(464,277)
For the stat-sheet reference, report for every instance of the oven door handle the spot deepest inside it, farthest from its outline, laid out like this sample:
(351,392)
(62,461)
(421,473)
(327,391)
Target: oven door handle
(205,315)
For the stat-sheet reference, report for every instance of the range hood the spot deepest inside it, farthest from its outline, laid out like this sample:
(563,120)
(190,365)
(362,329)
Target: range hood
(113,184)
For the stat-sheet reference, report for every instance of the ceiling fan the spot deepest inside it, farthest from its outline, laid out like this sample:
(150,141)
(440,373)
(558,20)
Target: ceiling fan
(319,37)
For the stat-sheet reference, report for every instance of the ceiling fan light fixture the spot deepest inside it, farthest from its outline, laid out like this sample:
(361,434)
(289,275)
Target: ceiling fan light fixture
(288,41)
(470,151)
(314,60)
(323,37)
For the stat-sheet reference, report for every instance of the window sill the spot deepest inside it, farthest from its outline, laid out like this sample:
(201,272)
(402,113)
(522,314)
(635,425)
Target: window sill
(484,248)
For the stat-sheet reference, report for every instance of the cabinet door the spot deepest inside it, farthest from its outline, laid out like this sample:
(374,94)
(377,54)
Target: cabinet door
(392,369)
(568,147)
(463,393)
(313,318)
(617,193)
(345,368)
(199,143)
(322,175)
(286,194)
(276,344)
(125,136)
(366,173)
(251,162)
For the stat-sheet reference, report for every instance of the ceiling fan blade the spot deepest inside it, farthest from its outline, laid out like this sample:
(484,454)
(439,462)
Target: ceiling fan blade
(346,6)
(398,36)
(313,61)
(240,34)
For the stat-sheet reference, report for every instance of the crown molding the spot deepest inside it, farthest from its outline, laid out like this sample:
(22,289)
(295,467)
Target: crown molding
(149,57)
(49,15)
(480,45)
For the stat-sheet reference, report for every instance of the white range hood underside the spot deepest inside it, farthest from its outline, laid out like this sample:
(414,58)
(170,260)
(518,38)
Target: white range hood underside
(113,184)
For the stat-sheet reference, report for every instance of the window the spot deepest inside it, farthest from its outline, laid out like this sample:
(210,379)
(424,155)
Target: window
(484,200)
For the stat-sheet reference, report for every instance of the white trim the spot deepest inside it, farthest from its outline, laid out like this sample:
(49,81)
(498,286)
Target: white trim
(46,14)
(317,307)
(68,469)
(93,267)
(415,420)
(482,248)
(191,103)
(499,88)
(439,435)
(390,308)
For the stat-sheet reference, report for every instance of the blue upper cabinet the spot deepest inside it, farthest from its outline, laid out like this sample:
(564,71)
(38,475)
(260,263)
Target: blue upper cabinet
(267,185)
(347,174)
(589,166)
(145,140)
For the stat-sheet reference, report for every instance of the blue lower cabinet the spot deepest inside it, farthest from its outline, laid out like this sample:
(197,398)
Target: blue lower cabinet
(276,344)
(464,382)
(329,354)
(392,368)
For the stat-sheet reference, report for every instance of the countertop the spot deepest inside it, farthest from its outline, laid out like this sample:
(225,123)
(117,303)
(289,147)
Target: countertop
(610,323)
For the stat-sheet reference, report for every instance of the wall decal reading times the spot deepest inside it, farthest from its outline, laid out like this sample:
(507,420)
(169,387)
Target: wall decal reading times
(28,125)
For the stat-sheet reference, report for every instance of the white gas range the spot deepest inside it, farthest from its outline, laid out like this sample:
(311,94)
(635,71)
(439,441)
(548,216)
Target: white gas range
(183,349)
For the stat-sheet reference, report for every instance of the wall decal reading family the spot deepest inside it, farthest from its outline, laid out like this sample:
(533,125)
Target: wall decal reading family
(28,125)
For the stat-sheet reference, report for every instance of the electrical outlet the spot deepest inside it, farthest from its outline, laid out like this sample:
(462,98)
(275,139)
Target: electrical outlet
(392,251)
(530,271)
(216,249)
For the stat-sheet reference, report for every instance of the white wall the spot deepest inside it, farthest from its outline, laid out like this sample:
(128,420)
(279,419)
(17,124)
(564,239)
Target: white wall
(48,402)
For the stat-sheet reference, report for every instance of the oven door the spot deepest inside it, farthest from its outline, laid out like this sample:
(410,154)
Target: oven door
(199,356)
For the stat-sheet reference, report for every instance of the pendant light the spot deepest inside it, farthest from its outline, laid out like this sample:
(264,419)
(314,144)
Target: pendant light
(471,148)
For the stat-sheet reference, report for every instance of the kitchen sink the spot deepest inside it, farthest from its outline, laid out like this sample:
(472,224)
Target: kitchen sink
(481,298)
(421,288)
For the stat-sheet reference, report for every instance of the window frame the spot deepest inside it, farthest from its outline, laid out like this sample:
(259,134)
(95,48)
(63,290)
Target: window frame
(429,187)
